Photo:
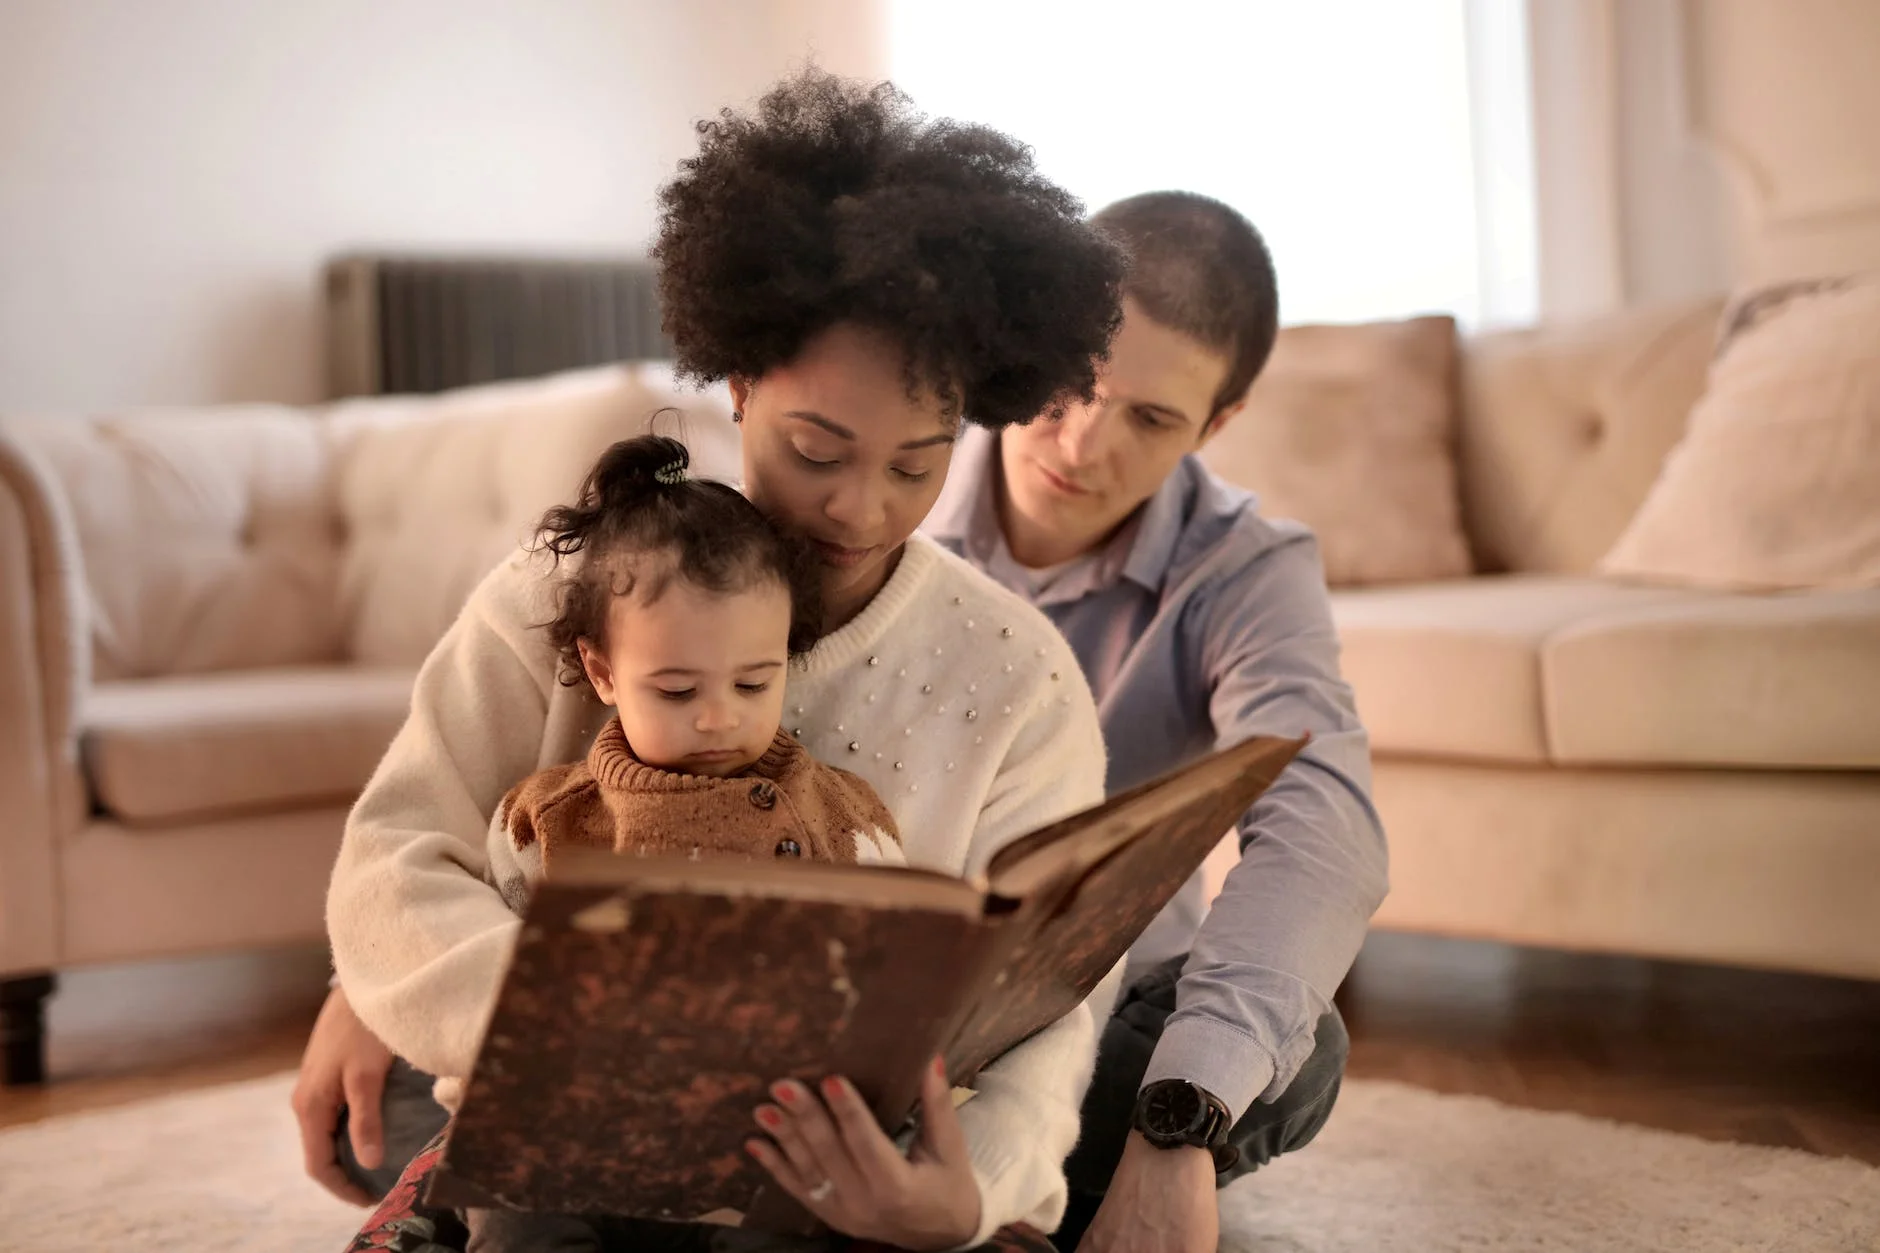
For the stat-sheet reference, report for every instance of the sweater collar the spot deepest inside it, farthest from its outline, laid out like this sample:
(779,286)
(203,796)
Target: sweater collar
(864,634)
(614,767)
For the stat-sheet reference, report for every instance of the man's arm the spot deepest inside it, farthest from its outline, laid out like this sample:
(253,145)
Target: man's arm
(1313,868)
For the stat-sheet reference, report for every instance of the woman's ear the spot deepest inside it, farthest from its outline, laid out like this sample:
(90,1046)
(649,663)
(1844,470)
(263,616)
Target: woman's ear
(599,672)
(740,395)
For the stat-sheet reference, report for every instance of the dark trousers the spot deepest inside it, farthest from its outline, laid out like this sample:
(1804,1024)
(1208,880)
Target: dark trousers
(1265,1131)
(410,1118)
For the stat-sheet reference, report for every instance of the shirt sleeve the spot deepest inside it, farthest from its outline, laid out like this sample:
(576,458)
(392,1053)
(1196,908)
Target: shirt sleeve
(1313,866)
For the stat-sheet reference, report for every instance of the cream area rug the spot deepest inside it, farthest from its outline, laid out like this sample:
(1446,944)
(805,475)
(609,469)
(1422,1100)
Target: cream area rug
(1395,1169)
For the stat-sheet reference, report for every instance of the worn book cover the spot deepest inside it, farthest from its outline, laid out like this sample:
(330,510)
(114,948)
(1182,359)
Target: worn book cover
(650,1003)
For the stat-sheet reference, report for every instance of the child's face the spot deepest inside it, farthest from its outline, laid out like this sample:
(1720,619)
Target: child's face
(696,676)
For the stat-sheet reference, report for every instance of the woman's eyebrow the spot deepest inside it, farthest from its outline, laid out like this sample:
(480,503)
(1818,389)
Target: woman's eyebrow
(842,432)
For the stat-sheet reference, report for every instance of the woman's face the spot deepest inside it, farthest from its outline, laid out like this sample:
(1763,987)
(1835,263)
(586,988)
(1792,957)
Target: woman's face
(836,449)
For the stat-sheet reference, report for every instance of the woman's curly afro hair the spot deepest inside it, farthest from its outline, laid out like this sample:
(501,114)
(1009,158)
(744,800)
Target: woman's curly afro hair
(836,202)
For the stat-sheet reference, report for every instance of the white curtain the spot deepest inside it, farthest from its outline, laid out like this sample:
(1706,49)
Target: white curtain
(1381,146)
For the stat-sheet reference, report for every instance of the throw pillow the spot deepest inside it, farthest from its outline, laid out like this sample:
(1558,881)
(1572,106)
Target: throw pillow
(1776,483)
(1351,430)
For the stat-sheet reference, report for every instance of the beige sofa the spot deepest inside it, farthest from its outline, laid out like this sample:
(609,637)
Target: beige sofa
(1565,761)
(211,620)
(210,624)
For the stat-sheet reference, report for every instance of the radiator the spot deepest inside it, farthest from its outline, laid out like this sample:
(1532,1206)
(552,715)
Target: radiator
(399,324)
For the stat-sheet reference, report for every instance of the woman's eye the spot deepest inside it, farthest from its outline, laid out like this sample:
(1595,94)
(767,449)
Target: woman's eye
(911,476)
(810,461)
(686,694)
(753,689)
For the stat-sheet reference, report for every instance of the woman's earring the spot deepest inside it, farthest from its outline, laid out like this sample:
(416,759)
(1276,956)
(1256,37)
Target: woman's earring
(737,417)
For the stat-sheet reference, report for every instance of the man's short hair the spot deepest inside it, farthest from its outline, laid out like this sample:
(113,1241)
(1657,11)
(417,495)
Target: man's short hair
(1198,267)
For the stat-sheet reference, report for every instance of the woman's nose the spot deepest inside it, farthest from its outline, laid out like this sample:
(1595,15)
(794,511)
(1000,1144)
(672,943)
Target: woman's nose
(856,507)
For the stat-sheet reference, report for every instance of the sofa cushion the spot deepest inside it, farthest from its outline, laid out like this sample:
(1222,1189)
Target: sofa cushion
(1454,669)
(1776,485)
(1720,680)
(1564,429)
(1352,430)
(434,491)
(207,535)
(178,748)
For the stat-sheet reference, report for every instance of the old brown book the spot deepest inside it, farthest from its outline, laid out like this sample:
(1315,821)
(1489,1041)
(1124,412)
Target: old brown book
(650,1003)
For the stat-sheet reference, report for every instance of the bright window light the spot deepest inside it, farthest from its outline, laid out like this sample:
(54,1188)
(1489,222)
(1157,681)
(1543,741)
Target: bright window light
(1341,128)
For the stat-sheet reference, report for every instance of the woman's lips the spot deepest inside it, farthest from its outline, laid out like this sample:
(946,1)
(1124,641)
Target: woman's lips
(837,555)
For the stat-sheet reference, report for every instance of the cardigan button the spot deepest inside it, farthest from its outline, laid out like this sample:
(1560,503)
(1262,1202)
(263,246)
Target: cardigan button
(764,795)
(789,848)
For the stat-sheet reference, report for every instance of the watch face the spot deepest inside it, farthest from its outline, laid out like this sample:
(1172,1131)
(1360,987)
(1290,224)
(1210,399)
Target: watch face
(1173,1109)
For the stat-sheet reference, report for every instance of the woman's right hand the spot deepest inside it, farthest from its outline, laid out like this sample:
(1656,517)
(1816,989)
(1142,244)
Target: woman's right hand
(345,1064)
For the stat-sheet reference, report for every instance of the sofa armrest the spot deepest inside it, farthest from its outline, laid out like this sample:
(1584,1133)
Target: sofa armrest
(44,671)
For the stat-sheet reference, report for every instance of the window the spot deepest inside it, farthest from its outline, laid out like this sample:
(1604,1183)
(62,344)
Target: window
(1344,129)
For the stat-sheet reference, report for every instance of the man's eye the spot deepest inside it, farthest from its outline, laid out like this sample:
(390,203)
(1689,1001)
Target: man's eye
(685,694)
(1150,420)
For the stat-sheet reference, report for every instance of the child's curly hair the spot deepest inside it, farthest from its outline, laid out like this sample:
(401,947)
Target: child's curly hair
(637,502)
(836,202)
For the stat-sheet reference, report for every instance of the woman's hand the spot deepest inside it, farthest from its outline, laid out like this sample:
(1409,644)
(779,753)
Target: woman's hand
(344,1065)
(832,1156)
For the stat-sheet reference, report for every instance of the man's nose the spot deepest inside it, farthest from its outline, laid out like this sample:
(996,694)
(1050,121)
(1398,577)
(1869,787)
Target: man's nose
(1080,434)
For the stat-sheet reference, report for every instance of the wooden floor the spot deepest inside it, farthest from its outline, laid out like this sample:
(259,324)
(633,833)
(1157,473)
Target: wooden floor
(1726,1054)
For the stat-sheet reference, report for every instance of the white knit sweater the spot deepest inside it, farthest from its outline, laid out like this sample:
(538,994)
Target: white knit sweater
(958,702)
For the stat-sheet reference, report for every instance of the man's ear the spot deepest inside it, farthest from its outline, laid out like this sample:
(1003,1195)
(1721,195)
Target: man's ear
(1221,419)
(599,672)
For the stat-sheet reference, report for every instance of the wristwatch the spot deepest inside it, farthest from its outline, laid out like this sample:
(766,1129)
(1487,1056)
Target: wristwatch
(1174,1113)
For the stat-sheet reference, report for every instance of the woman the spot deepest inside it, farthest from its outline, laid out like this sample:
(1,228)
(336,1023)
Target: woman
(863,279)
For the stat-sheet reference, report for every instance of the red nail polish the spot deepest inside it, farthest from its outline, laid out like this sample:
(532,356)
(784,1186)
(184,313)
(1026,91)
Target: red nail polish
(940,1067)
(785,1092)
(832,1088)
(769,1117)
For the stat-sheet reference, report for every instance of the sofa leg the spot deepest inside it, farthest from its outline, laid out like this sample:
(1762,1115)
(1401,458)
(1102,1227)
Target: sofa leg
(23,1028)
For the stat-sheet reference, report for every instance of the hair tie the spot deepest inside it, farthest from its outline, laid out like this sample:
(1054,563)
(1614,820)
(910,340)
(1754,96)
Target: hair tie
(671,473)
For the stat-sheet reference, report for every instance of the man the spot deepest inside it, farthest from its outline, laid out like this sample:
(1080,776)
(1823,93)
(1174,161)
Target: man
(1199,624)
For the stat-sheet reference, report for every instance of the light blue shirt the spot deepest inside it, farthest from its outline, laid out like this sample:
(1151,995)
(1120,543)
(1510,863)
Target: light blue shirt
(1201,624)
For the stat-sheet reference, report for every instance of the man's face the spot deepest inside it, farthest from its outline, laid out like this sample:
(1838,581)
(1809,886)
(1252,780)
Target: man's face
(1071,481)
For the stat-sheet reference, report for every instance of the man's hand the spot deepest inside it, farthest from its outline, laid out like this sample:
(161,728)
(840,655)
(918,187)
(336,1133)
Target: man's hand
(344,1065)
(832,1156)
(1159,1201)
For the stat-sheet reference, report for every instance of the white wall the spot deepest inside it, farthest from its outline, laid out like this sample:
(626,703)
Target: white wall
(1715,143)
(173,174)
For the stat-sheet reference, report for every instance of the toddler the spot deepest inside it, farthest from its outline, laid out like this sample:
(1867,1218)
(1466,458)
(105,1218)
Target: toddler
(682,608)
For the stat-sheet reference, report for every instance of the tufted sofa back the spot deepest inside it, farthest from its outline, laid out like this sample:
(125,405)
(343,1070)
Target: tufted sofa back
(1564,429)
(238,537)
